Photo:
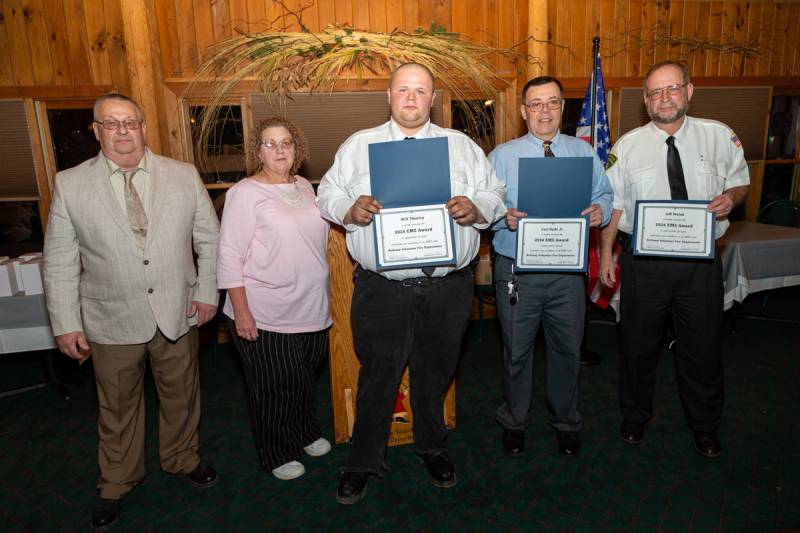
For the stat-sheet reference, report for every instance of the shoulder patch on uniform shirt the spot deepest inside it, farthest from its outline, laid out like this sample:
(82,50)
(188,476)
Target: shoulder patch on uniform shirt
(611,160)
(735,140)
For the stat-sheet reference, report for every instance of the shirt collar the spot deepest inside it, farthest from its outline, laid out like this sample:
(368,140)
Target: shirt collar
(398,135)
(113,168)
(662,135)
(539,143)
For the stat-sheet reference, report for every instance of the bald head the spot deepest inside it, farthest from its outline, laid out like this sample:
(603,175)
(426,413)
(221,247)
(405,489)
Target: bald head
(406,66)
(411,97)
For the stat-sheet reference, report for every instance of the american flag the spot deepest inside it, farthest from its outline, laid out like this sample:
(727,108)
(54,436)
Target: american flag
(602,138)
(597,292)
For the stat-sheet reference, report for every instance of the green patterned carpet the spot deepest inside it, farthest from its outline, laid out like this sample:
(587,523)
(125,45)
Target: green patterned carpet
(48,455)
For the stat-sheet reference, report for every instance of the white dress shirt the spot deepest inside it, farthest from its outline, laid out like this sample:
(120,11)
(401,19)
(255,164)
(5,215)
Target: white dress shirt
(711,156)
(471,175)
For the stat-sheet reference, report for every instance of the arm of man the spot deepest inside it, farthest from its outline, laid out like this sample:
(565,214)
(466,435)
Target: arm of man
(488,202)
(723,204)
(335,202)
(205,238)
(62,271)
(602,196)
(607,236)
(737,179)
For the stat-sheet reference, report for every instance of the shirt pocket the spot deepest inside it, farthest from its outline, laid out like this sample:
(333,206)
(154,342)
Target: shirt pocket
(459,181)
(712,178)
(641,184)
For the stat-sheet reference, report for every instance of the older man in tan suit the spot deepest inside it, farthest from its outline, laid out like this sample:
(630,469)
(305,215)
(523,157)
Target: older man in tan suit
(122,287)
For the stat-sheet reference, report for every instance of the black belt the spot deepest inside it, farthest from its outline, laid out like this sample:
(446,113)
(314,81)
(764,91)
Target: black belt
(424,280)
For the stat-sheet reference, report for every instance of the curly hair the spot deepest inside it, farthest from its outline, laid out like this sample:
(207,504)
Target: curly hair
(301,151)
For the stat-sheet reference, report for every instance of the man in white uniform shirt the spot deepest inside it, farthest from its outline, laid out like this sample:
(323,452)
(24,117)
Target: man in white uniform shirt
(407,316)
(680,158)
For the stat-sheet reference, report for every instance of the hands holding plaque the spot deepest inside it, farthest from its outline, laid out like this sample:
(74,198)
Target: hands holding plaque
(553,221)
(682,228)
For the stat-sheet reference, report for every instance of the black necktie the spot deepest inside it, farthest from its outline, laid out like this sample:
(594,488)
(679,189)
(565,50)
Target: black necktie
(427,270)
(547,151)
(677,184)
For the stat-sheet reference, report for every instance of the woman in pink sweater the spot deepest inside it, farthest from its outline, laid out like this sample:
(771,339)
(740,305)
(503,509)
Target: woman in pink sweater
(272,261)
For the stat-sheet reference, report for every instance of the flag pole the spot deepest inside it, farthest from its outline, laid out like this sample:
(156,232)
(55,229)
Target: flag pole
(593,84)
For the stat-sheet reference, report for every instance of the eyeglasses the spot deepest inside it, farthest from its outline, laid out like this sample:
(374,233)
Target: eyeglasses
(553,104)
(273,145)
(671,90)
(129,123)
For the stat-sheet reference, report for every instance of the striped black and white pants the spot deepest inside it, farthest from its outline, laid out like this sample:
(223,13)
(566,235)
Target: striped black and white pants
(280,372)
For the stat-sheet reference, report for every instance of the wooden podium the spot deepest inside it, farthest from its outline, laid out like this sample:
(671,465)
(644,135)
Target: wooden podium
(345,365)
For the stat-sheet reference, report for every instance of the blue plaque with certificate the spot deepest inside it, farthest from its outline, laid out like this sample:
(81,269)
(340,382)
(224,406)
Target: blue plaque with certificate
(554,236)
(411,178)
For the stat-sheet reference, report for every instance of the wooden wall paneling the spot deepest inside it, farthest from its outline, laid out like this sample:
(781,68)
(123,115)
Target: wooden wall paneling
(6,64)
(344,12)
(426,12)
(793,42)
(98,41)
(361,15)
(220,20)
(168,40)
(237,16)
(185,32)
(491,28)
(701,33)
(36,30)
(506,35)
(59,46)
(742,10)
(524,27)
(203,27)
(754,33)
(753,201)
(778,68)
(78,43)
(714,35)
(634,40)
(647,52)
(767,44)
(394,15)
(726,36)
(311,16)
(675,27)
(326,13)
(49,156)
(377,15)
(474,20)
(442,10)
(176,145)
(18,43)
(550,31)
(605,31)
(619,43)
(116,45)
(144,68)
(563,32)
(458,16)
(287,21)
(38,162)
(411,19)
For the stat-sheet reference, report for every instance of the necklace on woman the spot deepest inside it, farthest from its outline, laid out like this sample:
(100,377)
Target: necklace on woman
(290,196)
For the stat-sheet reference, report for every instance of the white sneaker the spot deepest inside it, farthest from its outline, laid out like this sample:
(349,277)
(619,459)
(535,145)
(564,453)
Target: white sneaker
(290,470)
(318,448)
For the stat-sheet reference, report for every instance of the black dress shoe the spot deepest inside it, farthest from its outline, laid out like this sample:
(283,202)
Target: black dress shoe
(352,487)
(569,443)
(631,432)
(441,469)
(105,514)
(513,442)
(707,443)
(203,476)
(590,357)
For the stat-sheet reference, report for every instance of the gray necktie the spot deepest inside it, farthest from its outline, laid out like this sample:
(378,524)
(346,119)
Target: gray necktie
(136,214)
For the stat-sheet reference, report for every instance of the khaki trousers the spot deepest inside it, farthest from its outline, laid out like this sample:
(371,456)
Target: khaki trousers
(119,375)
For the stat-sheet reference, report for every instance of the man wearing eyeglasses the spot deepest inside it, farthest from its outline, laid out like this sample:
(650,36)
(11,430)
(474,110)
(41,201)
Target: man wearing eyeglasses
(674,157)
(122,287)
(554,300)
(407,316)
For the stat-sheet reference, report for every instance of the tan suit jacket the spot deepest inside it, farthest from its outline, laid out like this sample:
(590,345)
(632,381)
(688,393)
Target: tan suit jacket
(123,292)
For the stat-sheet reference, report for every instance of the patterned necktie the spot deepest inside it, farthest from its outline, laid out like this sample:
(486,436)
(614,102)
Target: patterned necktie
(136,214)
(547,151)
(677,183)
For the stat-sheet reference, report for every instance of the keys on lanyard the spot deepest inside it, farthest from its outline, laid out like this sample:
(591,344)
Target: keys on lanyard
(513,295)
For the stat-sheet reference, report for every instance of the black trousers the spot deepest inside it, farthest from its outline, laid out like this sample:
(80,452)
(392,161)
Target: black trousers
(280,371)
(420,323)
(692,291)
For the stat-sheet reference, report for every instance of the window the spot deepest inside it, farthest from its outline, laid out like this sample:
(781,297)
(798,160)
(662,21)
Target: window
(220,157)
(476,119)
